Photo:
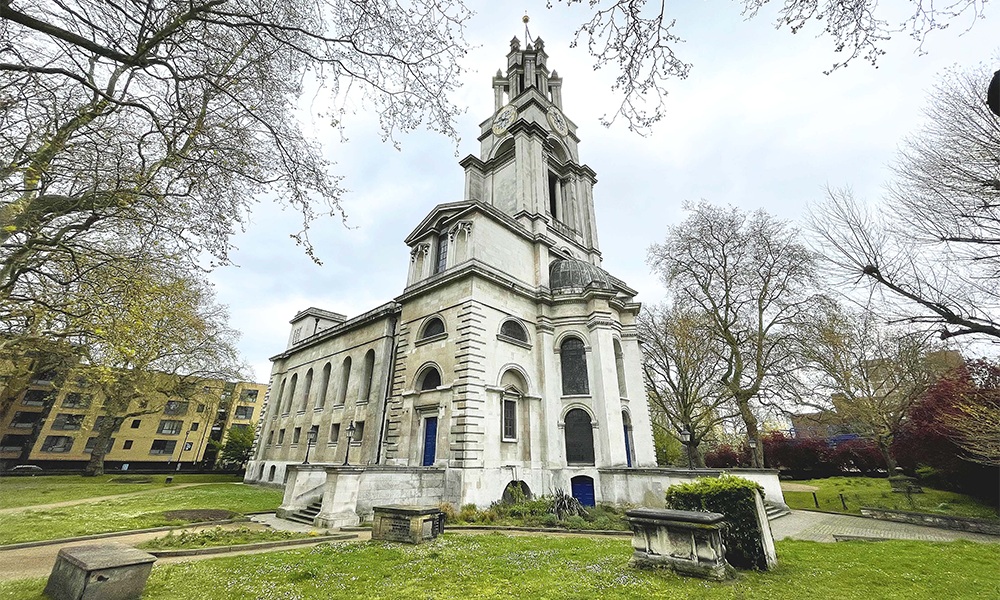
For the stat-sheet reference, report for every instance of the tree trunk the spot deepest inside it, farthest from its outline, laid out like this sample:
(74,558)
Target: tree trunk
(885,447)
(753,434)
(95,466)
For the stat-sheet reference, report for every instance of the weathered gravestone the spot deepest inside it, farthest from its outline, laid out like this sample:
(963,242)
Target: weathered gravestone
(687,542)
(408,524)
(99,572)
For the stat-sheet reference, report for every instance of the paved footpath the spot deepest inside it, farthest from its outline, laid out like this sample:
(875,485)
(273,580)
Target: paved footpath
(17,509)
(820,527)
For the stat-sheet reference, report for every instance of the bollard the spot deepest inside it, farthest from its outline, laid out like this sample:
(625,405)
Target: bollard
(842,502)
(815,500)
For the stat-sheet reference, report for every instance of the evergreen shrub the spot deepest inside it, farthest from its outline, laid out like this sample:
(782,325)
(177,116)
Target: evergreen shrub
(733,497)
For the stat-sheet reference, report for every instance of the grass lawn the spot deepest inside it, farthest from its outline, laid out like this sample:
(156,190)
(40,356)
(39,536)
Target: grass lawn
(866,491)
(500,566)
(46,489)
(218,536)
(134,512)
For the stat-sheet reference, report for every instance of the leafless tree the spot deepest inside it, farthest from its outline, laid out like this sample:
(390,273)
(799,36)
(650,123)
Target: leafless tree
(683,369)
(933,251)
(751,276)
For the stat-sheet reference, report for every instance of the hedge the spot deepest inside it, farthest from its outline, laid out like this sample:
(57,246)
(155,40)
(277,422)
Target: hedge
(733,497)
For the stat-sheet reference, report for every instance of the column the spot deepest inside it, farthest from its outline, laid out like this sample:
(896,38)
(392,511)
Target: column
(604,391)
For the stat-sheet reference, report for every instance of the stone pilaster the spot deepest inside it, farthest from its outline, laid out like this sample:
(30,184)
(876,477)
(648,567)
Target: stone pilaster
(468,428)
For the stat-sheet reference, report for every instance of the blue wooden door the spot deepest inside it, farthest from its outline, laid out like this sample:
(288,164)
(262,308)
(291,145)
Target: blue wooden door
(430,440)
(583,489)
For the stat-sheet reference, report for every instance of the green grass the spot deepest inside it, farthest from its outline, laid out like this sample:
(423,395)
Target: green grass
(865,491)
(217,536)
(135,512)
(48,489)
(499,566)
(536,513)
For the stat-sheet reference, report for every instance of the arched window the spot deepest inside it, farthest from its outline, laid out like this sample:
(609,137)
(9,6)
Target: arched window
(629,447)
(573,357)
(270,473)
(280,399)
(433,326)
(366,381)
(514,330)
(305,393)
(291,393)
(430,379)
(579,438)
(515,490)
(260,475)
(514,387)
(506,146)
(620,367)
(345,380)
(324,383)
(442,248)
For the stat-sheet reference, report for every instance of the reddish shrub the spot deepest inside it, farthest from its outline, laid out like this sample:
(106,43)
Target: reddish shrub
(723,457)
(861,455)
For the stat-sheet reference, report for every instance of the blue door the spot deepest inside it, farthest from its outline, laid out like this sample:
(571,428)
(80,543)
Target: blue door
(583,489)
(628,447)
(430,440)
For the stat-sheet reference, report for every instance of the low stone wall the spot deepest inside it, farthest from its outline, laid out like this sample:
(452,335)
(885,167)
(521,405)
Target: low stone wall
(647,486)
(383,485)
(940,521)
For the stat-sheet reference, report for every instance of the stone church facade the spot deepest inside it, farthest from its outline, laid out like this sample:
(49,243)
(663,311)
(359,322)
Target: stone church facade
(510,358)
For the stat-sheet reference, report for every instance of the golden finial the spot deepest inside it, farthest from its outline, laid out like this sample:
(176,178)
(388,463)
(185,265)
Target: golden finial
(525,18)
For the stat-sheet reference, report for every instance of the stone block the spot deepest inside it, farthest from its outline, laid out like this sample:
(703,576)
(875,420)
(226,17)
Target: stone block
(99,572)
(407,524)
(687,542)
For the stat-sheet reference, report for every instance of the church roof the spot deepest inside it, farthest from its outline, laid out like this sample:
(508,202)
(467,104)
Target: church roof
(573,273)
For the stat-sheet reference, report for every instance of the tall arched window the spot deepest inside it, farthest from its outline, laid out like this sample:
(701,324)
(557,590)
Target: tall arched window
(291,393)
(345,380)
(366,381)
(579,438)
(442,248)
(324,383)
(270,473)
(514,387)
(629,447)
(620,367)
(573,357)
(430,379)
(307,391)
(432,327)
(280,399)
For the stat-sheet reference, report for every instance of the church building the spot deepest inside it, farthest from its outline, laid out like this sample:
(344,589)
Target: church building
(509,359)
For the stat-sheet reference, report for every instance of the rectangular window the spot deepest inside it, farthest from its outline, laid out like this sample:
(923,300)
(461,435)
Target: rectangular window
(14,443)
(135,423)
(194,426)
(91,442)
(170,427)
(249,396)
(99,421)
(442,254)
(163,447)
(76,400)
(296,434)
(359,430)
(334,433)
(281,436)
(270,437)
(24,420)
(44,377)
(67,422)
(509,420)
(553,201)
(188,446)
(128,445)
(239,426)
(36,397)
(57,443)
(201,407)
(243,412)
(175,408)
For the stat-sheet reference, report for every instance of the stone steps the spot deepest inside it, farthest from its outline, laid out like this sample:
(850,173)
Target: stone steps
(775,512)
(308,514)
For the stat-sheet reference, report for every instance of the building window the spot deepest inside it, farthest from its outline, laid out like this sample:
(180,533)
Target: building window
(366,379)
(359,431)
(239,426)
(127,445)
(67,422)
(57,444)
(324,383)
(281,436)
(307,391)
(135,423)
(243,412)
(201,407)
(270,437)
(334,433)
(430,379)
(25,420)
(249,396)
(442,252)
(163,447)
(553,199)
(573,357)
(579,438)
(345,380)
(99,422)
(92,442)
(170,427)
(290,400)
(195,426)
(36,397)
(270,473)
(14,443)
(620,367)
(77,400)
(509,418)
(175,407)
(514,330)
(434,326)
(514,387)
(295,435)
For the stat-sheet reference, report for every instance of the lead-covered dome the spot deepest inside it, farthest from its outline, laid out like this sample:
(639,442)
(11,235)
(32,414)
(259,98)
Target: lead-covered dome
(572,273)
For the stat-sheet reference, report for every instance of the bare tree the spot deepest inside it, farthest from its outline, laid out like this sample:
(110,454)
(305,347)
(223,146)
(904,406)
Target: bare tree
(683,369)
(933,252)
(867,372)
(751,276)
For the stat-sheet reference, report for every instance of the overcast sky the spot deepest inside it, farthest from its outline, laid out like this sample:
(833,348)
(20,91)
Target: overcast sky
(757,125)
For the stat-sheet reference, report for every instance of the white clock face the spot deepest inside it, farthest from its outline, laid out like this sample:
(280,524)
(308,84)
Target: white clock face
(504,119)
(557,121)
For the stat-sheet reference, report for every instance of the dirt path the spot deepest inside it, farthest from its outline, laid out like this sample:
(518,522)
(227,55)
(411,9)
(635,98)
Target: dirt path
(787,486)
(16,509)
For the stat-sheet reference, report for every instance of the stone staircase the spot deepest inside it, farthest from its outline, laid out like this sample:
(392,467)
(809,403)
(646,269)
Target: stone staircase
(308,514)
(775,512)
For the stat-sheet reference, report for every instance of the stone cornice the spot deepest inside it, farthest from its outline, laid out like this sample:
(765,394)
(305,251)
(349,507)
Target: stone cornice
(380,312)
